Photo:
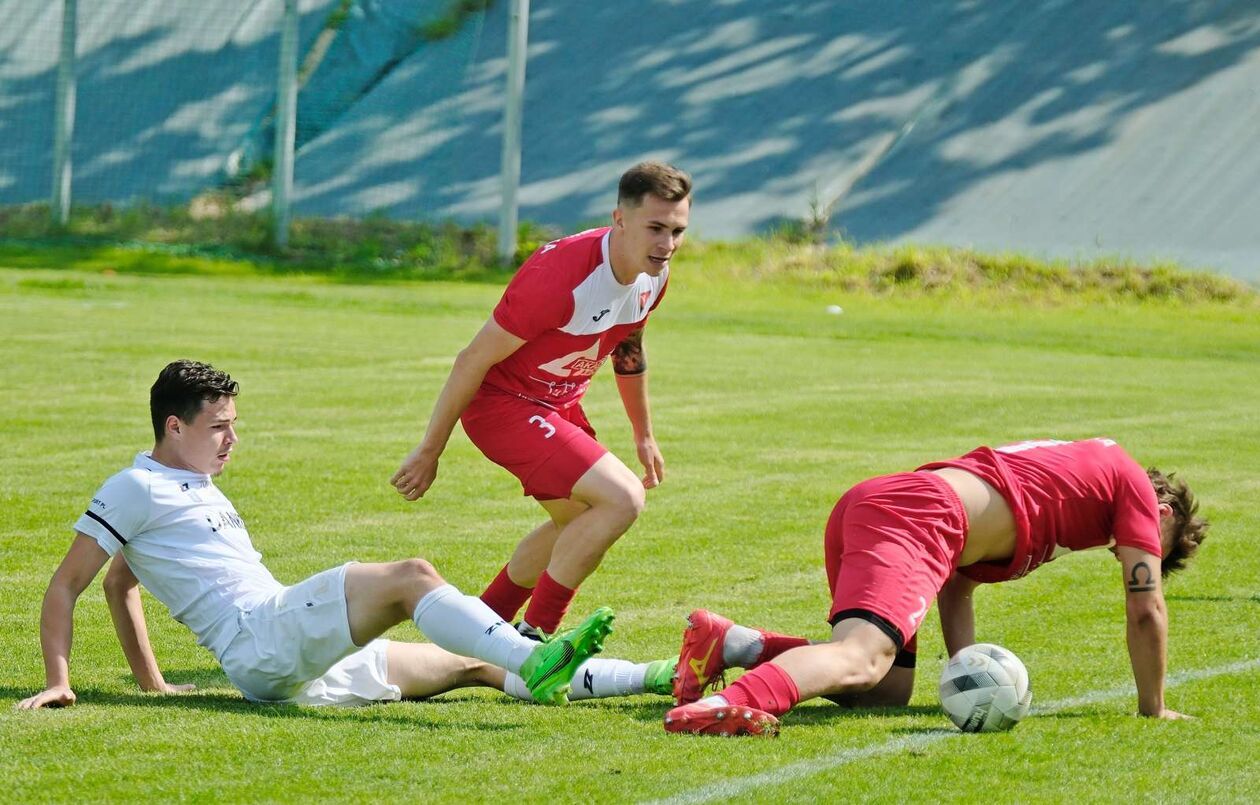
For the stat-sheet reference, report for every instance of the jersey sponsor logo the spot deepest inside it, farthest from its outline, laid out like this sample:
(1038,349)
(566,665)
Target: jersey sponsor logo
(583,363)
(224,519)
(602,313)
(100,504)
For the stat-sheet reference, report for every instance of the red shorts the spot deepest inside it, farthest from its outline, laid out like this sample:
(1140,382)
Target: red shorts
(891,544)
(547,450)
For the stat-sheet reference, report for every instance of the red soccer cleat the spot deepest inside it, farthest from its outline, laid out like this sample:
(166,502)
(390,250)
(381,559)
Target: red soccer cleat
(726,719)
(700,658)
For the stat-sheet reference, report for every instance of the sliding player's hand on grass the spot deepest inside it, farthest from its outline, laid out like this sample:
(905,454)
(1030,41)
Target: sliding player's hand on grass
(60,696)
(1173,715)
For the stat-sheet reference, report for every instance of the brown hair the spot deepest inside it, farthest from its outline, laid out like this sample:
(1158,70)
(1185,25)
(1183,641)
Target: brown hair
(181,388)
(1189,530)
(654,178)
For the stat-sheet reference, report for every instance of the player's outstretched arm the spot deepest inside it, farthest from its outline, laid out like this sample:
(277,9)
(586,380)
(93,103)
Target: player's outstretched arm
(122,593)
(1147,629)
(958,615)
(630,365)
(489,346)
(56,623)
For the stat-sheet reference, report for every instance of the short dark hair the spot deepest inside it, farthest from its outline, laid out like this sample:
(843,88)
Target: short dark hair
(653,178)
(182,387)
(1189,530)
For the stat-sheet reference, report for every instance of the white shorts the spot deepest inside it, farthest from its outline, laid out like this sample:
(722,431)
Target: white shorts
(296,647)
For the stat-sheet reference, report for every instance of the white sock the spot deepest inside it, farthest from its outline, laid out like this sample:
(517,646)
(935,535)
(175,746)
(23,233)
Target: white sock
(597,678)
(716,700)
(742,646)
(464,625)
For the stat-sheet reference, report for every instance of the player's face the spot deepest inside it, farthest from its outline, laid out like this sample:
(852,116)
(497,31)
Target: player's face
(205,444)
(650,233)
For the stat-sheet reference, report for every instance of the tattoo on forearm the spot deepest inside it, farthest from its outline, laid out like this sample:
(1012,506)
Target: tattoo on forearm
(1141,579)
(628,357)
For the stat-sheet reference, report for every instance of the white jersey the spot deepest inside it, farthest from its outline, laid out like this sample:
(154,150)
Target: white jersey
(185,543)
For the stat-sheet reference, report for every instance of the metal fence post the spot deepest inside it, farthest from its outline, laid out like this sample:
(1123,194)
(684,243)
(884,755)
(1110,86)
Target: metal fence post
(518,40)
(286,125)
(63,121)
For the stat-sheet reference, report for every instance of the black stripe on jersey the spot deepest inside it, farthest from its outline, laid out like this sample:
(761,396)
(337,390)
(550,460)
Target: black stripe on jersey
(101,520)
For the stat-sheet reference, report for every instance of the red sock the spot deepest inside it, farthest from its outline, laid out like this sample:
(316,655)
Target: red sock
(773,644)
(505,596)
(767,688)
(550,602)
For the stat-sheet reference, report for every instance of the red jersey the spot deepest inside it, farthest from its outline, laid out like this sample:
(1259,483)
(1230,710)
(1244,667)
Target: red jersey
(1066,496)
(572,312)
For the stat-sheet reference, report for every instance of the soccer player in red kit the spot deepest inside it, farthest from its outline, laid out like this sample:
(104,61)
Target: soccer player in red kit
(517,389)
(895,543)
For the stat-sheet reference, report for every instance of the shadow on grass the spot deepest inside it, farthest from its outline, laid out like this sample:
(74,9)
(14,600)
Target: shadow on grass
(824,714)
(1244,599)
(411,714)
(653,708)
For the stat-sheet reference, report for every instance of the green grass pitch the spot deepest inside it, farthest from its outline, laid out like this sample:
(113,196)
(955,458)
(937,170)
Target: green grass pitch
(767,408)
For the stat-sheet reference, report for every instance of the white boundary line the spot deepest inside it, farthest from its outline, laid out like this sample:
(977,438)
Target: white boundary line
(793,772)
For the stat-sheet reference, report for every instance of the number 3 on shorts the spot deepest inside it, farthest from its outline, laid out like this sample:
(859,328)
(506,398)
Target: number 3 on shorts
(544,424)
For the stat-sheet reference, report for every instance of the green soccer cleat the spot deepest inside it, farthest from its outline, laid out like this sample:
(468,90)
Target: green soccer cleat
(659,677)
(549,668)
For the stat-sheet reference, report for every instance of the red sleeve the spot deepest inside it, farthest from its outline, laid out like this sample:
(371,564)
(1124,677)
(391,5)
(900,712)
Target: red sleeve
(535,301)
(1136,517)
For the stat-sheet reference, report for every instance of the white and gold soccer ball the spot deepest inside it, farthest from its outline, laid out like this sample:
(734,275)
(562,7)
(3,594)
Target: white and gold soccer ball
(984,688)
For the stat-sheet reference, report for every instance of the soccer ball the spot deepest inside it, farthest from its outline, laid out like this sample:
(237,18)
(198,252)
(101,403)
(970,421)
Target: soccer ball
(984,688)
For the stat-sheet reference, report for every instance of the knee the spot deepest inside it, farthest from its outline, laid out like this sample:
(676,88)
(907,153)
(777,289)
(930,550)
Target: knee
(628,499)
(857,671)
(417,572)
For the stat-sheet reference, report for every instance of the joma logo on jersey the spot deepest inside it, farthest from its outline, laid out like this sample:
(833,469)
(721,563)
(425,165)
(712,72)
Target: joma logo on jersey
(576,364)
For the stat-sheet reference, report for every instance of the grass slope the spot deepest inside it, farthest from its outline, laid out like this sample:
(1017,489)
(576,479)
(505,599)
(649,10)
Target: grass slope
(767,408)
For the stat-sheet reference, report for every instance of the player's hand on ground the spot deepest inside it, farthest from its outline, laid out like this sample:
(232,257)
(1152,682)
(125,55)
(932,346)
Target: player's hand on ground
(169,689)
(1173,715)
(653,462)
(416,475)
(60,696)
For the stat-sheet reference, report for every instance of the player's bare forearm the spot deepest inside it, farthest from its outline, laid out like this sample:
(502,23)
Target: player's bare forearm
(56,620)
(122,593)
(957,611)
(1147,637)
(1146,627)
(56,632)
(419,469)
(461,386)
(56,623)
(633,390)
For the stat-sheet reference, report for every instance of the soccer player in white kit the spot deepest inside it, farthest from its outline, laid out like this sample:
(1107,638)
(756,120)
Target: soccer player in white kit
(168,527)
